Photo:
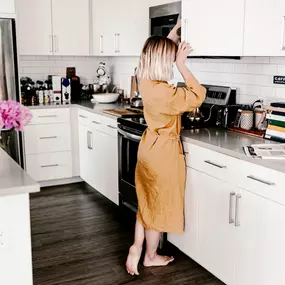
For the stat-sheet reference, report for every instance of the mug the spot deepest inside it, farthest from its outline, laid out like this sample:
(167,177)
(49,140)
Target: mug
(246,120)
(260,119)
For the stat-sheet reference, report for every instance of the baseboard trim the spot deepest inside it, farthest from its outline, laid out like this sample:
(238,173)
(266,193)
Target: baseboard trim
(60,182)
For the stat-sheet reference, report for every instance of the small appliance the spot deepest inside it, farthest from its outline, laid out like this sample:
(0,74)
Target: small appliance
(56,87)
(66,90)
(163,18)
(218,110)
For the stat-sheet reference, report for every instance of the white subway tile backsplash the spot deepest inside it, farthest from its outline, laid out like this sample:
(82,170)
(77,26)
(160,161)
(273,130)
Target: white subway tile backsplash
(252,76)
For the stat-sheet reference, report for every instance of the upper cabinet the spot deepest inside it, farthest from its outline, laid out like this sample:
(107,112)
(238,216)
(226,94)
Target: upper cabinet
(70,27)
(119,31)
(214,28)
(53,27)
(34,26)
(264,28)
(7,7)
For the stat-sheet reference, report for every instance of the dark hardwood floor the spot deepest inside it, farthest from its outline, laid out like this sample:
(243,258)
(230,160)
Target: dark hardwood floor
(78,240)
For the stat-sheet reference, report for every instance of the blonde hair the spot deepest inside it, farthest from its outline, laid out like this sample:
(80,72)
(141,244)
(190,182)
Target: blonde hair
(157,58)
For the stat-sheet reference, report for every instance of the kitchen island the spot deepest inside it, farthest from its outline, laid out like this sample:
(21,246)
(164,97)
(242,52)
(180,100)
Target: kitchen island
(15,229)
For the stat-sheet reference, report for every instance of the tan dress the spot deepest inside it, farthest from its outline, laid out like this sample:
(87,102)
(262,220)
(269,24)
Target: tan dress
(160,171)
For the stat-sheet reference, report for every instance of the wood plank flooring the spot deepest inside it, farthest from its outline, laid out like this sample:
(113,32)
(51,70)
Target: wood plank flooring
(78,240)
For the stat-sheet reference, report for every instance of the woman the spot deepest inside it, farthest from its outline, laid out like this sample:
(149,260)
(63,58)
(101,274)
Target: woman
(160,171)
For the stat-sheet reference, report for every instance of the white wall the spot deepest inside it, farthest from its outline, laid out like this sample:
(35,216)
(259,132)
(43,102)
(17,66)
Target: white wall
(252,76)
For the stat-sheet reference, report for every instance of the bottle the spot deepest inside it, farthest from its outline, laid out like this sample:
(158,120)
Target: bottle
(40,92)
(46,93)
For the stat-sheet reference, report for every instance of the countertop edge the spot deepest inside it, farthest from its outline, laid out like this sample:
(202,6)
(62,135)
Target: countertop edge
(30,189)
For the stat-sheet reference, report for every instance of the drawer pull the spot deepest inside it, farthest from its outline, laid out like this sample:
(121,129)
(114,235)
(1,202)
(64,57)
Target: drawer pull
(237,221)
(214,164)
(51,165)
(96,123)
(111,127)
(81,116)
(260,180)
(48,116)
(47,138)
(231,219)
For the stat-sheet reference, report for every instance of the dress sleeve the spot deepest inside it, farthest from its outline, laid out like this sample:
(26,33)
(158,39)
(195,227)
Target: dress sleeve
(181,100)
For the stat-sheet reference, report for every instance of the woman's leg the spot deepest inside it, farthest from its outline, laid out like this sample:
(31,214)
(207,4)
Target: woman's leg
(151,256)
(135,250)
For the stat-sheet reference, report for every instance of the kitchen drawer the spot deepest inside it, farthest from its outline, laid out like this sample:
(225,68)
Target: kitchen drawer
(104,124)
(212,163)
(50,116)
(47,138)
(262,181)
(49,166)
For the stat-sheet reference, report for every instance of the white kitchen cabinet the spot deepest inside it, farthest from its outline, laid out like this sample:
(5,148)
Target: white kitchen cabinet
(215,230)
(188,241)
(264,33)
(7,7)
(116,31)
(34,26)
(214,28)
(46,28)
(260,248)
(70,27)
(87,166)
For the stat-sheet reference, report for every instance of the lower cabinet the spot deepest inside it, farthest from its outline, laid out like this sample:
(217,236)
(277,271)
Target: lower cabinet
(260,246)
(234,233)
(98,151)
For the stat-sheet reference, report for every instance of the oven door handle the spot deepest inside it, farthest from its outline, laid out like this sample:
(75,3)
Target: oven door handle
(129,136)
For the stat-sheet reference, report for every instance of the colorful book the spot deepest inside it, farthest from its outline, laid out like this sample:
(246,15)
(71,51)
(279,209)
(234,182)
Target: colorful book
(276,123)
(274,133)
(273,138)
(275,117)
(276,128)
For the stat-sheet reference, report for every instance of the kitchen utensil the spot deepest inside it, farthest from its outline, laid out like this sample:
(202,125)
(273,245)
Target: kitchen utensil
(246,120)
(106,97)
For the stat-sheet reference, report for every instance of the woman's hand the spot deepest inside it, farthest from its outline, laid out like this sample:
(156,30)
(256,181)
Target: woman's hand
(184,50)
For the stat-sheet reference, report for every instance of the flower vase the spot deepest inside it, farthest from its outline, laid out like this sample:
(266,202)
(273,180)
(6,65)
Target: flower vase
(5,137)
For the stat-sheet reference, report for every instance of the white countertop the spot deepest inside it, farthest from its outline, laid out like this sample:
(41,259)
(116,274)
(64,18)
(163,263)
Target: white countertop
(13,179)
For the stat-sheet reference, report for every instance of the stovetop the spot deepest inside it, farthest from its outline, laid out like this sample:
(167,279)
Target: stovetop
(135,124)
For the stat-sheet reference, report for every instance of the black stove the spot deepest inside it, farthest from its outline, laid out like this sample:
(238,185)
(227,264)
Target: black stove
(134,125)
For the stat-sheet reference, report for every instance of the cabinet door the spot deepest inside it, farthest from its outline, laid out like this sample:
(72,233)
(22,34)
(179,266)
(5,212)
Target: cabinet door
(34,27)
(71,27)
(260,255)
(188,241)
(104,26)
(216,238)
(264,33)
(214,28)
(7,7)
(84,152)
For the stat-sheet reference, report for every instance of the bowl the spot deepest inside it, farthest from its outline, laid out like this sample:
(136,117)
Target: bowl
(106,97)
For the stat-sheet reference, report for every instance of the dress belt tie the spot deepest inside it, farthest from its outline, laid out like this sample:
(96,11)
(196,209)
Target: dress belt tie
(170,136)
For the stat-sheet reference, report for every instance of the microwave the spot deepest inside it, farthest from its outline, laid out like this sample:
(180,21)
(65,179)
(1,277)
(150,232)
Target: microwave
(163,18)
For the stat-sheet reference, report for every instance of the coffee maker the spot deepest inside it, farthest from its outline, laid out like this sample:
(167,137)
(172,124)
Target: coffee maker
(218,110)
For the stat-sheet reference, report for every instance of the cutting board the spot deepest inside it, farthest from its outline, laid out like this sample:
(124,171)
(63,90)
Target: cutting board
(121,113)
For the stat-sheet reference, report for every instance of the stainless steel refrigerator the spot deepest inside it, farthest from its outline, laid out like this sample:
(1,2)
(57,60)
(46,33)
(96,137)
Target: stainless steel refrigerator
(9,78)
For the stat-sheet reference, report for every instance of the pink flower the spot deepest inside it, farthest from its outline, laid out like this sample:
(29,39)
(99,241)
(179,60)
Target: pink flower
(14,115)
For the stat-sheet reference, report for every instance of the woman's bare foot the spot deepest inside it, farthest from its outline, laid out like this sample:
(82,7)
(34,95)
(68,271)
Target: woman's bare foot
(133,260)
(157,260)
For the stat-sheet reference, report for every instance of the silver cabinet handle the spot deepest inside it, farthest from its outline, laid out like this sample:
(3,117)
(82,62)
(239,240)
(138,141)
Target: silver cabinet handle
(89,140)
(185,30)
(115,43)
(283,35)
(260,180)
(81,116)
(118,43)
(231,218)
(214,164)
(50,165)
(111,127)
(101,44)
(47,138)
(56,43)
(96,123)
(237,221)
(48,116)
(51,43)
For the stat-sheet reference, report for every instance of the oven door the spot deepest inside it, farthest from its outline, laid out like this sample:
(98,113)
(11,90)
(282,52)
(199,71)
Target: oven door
(128,145)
